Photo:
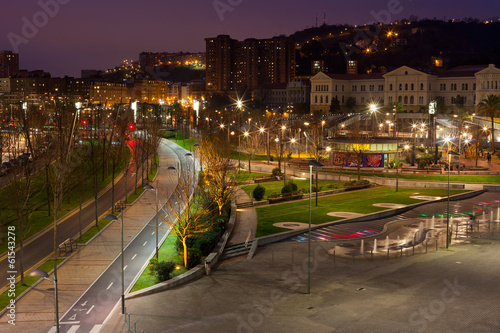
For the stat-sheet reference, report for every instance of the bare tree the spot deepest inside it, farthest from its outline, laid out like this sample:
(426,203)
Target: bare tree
(219,171)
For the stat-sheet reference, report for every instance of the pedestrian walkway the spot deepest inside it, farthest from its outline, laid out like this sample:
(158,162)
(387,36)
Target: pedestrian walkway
(35,311)
(246,220)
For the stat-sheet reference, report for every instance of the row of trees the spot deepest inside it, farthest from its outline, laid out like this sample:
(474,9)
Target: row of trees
(71,151)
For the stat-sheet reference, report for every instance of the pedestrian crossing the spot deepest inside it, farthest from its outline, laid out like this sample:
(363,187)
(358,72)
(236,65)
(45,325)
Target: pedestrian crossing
(75,329)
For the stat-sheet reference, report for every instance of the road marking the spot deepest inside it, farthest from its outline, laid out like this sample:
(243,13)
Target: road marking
(109,286)
(135,255)
(68,323)
(84,303)
(73,317)
(160,223)
(73,329)
(153,233)
(145,243)
(96,329)
(92,307)
(124,268)
(53,329)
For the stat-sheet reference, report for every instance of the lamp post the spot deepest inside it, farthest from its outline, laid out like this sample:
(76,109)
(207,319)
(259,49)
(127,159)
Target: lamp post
(311,164)
(112,217)
(149,187)
(43,274)
(283,142)
(447,140)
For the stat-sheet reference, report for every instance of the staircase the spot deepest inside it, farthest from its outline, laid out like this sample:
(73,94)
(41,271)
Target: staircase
(236,249)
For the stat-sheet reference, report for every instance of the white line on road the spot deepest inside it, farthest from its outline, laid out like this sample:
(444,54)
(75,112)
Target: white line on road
(124,268)
(153,233)
(135,255)
(53,329)
(92,306)
(73,329)
(145,243)
(68,323)
(96,329)
(109,285)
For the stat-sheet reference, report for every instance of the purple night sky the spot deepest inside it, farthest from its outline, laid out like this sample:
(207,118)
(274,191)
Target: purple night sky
(92,34)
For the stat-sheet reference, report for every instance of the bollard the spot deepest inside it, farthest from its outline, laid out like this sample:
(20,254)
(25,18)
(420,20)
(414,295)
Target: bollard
(371,255)
(436,244)
(128,322)
(401,251)
(413,249)
(135,328)
(426,243)
(387,254)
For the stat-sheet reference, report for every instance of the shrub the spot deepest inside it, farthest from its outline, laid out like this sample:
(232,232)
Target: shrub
(151,267)
(276,172)
(331,186)
(194,257)
(206,242)
(259,192)
(163,269)
(314,188)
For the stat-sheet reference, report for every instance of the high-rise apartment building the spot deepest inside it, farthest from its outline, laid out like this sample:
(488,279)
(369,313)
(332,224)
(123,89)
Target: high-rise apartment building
(9,64)
(248,64)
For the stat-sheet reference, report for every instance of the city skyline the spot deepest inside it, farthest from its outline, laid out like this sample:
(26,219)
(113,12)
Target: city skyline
(64,37)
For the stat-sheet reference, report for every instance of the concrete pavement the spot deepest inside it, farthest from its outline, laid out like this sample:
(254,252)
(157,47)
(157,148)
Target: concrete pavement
(35,311)
(451,290)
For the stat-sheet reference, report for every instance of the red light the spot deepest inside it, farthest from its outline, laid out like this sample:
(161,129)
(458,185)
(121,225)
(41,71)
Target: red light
(131,127)
(84,122)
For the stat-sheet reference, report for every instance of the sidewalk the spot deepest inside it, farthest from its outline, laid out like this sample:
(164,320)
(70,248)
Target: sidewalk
(246,220)
(35,311)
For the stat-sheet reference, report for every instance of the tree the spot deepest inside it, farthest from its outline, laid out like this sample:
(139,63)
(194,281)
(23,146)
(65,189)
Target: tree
(490,107)
(218,167)
(251,145)
(334,105)
(350,103)
(186,214)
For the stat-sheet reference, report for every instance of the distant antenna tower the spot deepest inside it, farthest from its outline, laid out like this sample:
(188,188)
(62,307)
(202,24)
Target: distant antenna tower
(324,17)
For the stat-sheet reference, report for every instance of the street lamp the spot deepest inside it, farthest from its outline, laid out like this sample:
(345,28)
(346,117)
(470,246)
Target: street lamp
(447,140)
(43,274)
(311,164)
(262,130)
(112,217)
(149,187)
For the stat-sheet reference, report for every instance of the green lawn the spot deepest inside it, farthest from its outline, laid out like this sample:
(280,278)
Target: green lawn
(41,217)
(29,281)
(357,201)
(275,187)
(245,175)
(167,252)
(184,142)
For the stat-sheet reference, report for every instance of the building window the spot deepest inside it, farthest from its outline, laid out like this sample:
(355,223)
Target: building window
(316,99)
(412,100)
(412,87)
(421,86)
(406,100)
(421,100)
(406,86)
(390,87)
(400,99)
(390,99)
(400,86)
(321,99)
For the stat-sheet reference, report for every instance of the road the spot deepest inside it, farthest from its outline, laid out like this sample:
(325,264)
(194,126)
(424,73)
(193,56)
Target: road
(94,306)
(38,249)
